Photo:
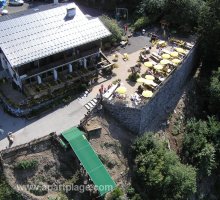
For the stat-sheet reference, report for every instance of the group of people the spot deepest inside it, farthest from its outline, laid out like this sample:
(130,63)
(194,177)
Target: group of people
(103,90)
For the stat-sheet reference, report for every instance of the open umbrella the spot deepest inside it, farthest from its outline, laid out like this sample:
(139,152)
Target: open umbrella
(140,80)
(149,82)
(165,56)
(174,54)
(149,77)
(176,61)
(158,67)
(121,90)
(180,50)
(164,62)
(148,64)
(147,93)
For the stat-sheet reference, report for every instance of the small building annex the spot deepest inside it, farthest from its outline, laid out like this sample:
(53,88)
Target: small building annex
(49,43)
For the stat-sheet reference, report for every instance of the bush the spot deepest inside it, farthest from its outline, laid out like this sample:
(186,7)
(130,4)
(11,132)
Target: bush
(115,194)
(214,89)
(82,87)
(26,164)
(6,192)
(133,77)
(113,27)
(141,23)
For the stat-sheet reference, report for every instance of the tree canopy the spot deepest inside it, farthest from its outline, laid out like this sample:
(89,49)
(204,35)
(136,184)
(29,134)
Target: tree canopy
(160,172)
(201,144)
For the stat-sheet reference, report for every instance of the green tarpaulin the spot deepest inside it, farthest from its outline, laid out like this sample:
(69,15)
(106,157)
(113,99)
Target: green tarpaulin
(90,161)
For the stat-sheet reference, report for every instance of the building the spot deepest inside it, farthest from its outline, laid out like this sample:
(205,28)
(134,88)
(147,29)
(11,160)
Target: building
(49,44)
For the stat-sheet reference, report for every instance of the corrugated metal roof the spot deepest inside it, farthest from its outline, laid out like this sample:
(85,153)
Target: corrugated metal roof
(30,37)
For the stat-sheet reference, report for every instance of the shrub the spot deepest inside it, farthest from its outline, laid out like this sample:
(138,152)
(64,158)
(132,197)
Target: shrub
(141,23)
(26,164)
(115,194)
(133,77)
(113,27)
(82,87)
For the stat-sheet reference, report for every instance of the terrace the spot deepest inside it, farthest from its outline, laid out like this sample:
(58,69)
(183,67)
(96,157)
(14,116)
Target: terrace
(143,72)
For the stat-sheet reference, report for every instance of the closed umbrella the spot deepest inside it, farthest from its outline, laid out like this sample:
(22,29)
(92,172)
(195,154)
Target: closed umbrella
(176,61)
(141,80)
(158,67)
(165,56)
(148,64)
(149,77)
(164,62)
(121,90)
(174,54)
(147,93)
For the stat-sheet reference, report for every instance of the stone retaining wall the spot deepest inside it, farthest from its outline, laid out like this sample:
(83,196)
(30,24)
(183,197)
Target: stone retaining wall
(149,116)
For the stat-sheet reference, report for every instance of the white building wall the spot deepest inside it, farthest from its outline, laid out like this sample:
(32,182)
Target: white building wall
(13,74)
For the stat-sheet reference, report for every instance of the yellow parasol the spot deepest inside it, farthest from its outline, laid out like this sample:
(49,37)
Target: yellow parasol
(121,90)
(140,80)
(148,64)
(149,82)
(174,54)
(180,50)
(158,67)
(149,77)
(165,56)
(147,93)
(164,62)
(176,61)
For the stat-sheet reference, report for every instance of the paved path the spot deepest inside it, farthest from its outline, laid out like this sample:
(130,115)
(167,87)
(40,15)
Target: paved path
(27,130)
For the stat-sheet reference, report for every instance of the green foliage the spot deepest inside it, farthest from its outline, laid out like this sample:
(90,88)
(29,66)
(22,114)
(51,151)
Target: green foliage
(209,31)
(180,12)
(113,27)
(26,164)
(132,195)
(201,144)
(133,77)
(160,172)
(141,23)
(6,192)
(116,194)
(151,7)
(214,89)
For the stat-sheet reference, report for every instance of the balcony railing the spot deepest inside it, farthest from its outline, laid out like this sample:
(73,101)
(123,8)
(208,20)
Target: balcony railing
(62,62)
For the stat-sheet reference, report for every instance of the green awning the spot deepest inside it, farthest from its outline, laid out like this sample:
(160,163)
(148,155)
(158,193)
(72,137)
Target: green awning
(90,161)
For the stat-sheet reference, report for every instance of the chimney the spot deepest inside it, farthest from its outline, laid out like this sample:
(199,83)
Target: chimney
(56,1)
(71,11)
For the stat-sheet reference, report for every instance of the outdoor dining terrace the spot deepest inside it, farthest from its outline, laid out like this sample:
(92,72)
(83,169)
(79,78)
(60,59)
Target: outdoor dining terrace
(146,70)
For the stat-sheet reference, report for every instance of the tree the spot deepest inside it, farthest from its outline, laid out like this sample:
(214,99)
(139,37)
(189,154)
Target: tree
(113,27)
(160,172)
(209,31)
(200,144)
(180,12)
(214,90)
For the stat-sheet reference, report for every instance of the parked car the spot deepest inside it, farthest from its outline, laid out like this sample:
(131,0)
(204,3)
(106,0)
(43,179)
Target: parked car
(16,2)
